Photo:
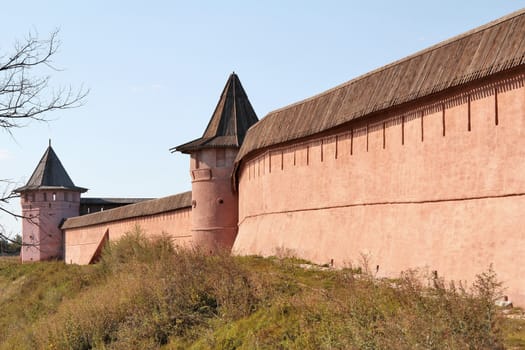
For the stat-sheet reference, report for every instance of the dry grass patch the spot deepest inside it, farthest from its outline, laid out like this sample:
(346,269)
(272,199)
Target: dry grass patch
(147,294)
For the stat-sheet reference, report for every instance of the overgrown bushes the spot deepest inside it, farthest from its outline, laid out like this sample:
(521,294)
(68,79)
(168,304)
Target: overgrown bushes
(147,294)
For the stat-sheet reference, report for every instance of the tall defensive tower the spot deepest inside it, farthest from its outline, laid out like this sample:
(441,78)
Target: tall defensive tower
(48,197)
(215,210)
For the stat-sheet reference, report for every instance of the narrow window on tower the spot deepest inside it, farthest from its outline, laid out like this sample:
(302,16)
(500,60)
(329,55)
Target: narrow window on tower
(54,196)
(336,146)
(402,130)
(322,150)
(422,128)
(469,126)
(45,197)
(496,117)
(443,119)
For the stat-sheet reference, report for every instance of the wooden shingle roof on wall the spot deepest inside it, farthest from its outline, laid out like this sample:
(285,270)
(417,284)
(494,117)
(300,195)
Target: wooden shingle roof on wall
(145,208)
(479,53)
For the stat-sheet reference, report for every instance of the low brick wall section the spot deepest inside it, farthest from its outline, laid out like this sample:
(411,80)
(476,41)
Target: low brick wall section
(169,215)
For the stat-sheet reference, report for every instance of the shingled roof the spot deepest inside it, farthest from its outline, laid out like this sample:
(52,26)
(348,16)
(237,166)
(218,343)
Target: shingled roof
(50,174)
(482,52)
(231,119)
(144,208)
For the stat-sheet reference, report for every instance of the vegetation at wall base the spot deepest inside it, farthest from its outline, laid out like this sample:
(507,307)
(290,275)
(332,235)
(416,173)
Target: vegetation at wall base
(148,294)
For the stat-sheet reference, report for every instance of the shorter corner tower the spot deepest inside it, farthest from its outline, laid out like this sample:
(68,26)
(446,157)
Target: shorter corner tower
(215,209)
(47,199)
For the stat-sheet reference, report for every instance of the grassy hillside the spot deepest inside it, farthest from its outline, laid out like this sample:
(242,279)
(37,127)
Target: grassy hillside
(148,295)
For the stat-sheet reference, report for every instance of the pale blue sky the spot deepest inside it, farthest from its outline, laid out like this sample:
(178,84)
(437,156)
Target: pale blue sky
(156,69)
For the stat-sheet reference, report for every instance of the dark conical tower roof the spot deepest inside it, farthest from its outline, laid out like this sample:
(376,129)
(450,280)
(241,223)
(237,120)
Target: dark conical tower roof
(50,174)
(230,121)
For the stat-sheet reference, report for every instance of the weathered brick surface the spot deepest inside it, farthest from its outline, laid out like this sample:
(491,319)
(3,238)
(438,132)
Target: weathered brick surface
(411,188)
(82,242)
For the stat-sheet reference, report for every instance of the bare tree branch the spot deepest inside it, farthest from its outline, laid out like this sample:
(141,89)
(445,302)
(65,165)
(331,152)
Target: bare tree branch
(6,238)
(24,97)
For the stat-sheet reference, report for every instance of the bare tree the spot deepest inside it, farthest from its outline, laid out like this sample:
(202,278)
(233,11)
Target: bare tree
(5,195)
(25,96)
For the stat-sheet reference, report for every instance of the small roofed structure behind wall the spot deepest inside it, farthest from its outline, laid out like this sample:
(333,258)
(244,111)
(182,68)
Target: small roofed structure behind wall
(91,205)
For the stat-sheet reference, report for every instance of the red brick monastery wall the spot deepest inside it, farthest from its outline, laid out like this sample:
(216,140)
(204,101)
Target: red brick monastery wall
(81,243)
(438,185)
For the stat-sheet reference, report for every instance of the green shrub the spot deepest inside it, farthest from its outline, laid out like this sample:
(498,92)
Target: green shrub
(152,292)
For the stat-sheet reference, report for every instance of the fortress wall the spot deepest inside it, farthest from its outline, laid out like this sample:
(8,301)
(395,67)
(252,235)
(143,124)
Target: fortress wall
(81,243)
(438,185)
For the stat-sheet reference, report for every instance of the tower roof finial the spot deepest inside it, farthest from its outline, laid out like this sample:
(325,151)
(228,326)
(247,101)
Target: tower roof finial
(50,142)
